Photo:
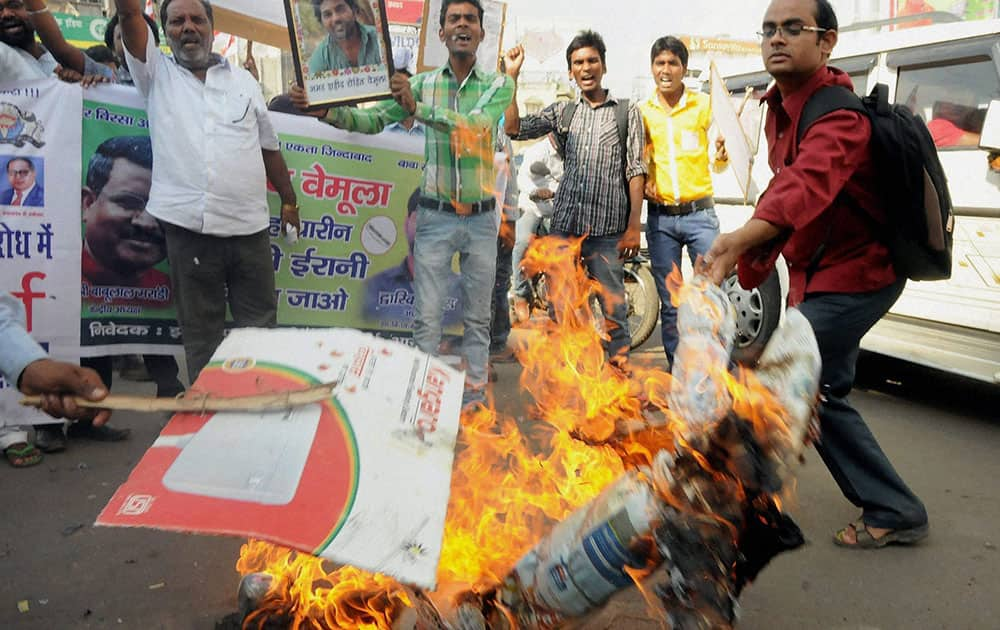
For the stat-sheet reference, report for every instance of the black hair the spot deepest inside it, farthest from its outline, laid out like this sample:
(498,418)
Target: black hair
(136,149)
(31,165)
(316,4)
(586,39)
(166,3)
(109,30)
(101,54)
(669,44)
(825,16)
(447,3)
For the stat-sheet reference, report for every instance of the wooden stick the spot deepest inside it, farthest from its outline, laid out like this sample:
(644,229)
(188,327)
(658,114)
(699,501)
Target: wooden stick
(204,402)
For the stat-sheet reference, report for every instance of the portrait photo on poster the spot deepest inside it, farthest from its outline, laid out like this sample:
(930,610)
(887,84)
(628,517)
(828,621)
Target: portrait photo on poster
(23,183)
(341,49)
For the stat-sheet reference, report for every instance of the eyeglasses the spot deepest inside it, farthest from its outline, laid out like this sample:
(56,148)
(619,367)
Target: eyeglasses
(19,173)
(791,29)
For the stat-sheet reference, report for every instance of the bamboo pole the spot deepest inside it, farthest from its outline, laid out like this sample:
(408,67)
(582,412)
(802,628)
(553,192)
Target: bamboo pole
(199,402)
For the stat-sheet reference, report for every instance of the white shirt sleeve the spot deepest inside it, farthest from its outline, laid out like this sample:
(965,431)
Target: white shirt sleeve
(143,73)
(268,136)
(17,348)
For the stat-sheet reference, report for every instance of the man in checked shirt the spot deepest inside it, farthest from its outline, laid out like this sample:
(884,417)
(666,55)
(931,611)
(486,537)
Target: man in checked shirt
(460,103)
(600,195)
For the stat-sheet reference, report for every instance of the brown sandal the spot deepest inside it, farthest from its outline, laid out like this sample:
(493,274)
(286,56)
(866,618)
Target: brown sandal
(864,540)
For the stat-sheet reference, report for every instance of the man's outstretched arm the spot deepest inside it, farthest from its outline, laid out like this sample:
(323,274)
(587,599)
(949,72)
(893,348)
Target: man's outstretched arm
(52,38)
(134,29)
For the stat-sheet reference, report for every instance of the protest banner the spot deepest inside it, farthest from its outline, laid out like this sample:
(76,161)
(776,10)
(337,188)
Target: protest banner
(126,297)
(39,228)
(404,11)
(361,479)
(349,267)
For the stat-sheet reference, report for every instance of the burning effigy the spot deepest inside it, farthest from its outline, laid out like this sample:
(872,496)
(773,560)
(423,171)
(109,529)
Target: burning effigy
(671,482)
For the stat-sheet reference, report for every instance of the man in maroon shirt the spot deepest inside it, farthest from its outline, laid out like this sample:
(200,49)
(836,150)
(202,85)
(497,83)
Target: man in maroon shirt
(821,213)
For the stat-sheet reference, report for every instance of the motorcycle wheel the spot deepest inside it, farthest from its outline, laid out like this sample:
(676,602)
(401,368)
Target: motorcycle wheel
(758,312)
(643,303)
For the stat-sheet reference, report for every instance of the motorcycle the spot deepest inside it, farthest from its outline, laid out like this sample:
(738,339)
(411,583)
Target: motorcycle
(759,311)
(641,298)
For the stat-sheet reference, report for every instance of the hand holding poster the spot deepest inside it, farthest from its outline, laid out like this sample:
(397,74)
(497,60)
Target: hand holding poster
(361,479)
(341,49)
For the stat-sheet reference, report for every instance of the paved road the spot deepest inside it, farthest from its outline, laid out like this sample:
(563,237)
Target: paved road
(942,433)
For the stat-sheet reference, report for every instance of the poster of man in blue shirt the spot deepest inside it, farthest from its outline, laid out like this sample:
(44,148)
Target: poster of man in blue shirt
(349,43)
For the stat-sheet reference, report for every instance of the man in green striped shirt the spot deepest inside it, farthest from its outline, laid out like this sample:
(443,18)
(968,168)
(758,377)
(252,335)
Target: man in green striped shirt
(460,103)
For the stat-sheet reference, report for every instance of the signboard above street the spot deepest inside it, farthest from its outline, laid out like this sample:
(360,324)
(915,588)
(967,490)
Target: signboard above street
(743,47)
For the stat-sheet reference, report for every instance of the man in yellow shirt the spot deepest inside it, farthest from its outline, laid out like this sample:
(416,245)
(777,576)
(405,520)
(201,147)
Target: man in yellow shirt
(679,185)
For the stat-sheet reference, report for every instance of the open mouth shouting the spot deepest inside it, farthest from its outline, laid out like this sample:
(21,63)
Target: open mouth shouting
(13,31)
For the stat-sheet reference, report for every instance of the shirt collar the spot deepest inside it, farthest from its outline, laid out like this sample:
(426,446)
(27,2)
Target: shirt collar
(216,59)
(794,102)
(476,71)
(24,195)
(610,100)
(654,100)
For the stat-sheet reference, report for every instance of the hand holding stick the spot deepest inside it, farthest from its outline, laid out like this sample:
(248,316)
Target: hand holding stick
(200,402)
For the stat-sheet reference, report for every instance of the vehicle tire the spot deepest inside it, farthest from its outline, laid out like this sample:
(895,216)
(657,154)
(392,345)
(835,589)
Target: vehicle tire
(643,303)
(758,312)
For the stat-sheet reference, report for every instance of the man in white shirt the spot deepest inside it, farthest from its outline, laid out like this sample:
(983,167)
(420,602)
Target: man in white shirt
(21,57)
(213,144)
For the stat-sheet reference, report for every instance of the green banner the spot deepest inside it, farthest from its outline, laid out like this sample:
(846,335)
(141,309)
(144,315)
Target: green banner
(125,282)
(82,31)
(350,267)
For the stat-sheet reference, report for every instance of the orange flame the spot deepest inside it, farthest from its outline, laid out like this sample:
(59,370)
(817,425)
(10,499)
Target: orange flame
(514,478)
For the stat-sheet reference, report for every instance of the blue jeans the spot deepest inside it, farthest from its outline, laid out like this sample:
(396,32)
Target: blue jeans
(524,230)
(666,236)
(848,448)
(439,236)
(600,257)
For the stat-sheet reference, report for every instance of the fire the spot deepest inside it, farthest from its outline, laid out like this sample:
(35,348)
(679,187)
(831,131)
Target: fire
(513,477)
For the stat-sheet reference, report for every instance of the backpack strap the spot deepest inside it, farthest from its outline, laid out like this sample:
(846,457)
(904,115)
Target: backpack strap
(562,127)
(621,119)
(822,102)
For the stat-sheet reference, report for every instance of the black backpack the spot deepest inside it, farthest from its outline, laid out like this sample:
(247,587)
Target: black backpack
(919,231)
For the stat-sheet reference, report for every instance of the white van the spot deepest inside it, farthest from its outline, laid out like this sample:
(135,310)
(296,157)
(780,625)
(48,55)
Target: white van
(949,71)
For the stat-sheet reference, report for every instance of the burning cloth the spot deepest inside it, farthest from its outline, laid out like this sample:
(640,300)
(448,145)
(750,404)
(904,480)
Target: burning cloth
(684,503)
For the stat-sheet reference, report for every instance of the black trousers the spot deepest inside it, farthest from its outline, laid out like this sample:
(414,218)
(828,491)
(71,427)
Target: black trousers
(847,446)
(209,273)
(500,323)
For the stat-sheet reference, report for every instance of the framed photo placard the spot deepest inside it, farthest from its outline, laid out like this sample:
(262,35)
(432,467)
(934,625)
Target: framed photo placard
(341,49)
